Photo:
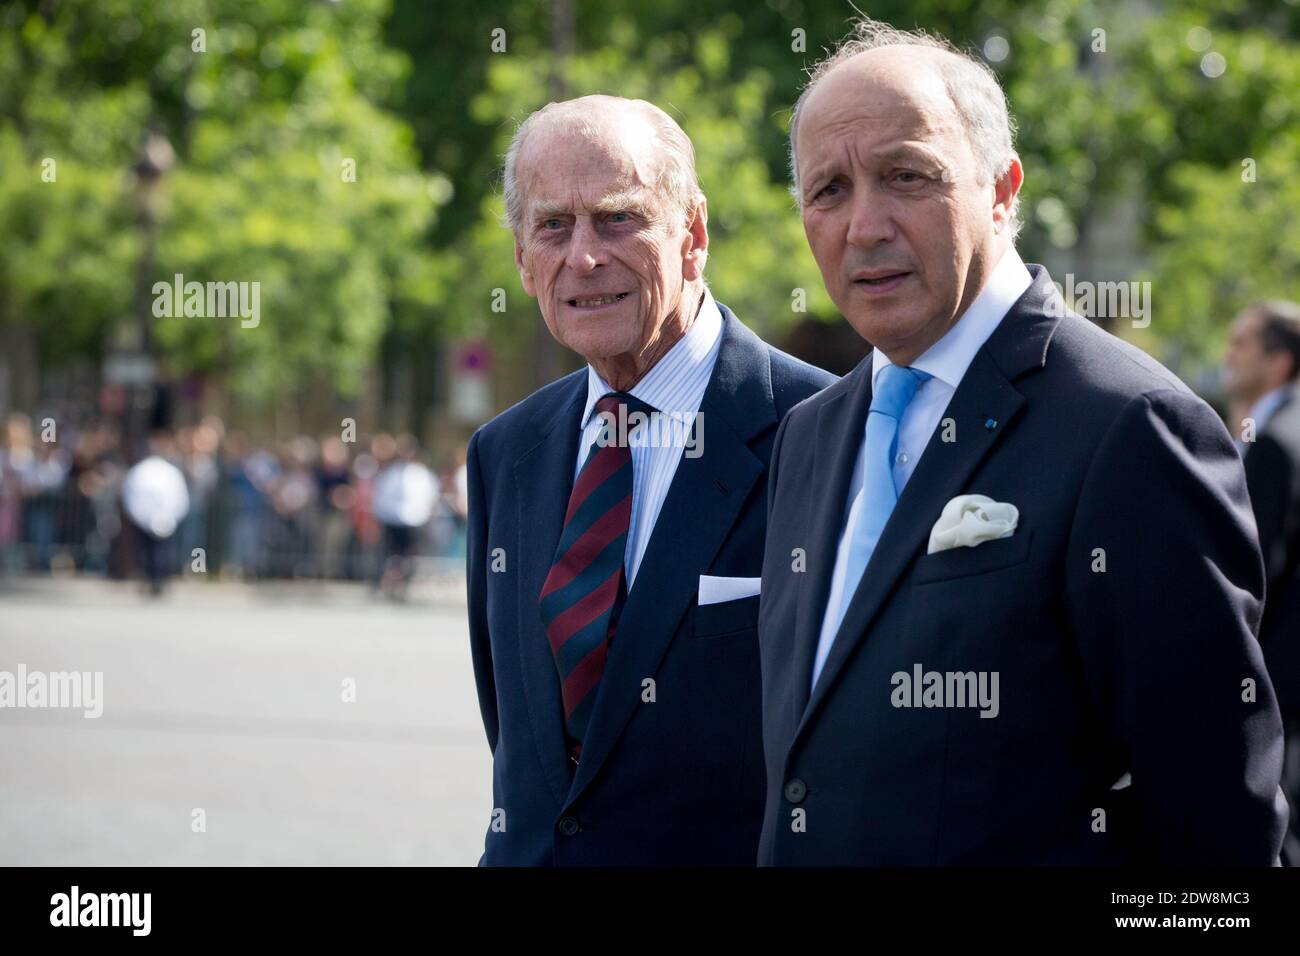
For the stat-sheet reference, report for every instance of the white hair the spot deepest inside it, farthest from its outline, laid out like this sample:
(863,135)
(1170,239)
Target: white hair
(677,185)
(971,84)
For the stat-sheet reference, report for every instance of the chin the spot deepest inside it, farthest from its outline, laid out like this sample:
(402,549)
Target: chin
(596,346)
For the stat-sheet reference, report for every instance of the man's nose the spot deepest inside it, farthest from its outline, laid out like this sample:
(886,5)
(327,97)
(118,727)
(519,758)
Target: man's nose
(871,221)
(585,248)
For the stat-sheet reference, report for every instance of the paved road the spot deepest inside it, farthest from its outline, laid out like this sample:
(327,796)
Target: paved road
(220,699)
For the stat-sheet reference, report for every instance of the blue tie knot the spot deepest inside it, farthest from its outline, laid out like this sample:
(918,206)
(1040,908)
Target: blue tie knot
(895,387)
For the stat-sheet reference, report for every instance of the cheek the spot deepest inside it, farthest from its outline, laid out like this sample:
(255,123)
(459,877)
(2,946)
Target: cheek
(825,237)
(540,263)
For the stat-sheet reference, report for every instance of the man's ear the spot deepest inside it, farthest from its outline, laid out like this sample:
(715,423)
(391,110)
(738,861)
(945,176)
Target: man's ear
(695,245)
(1005,191)
(525,276)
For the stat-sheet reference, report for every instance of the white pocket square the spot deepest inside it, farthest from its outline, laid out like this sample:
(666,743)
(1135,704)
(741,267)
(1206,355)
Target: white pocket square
(969,520)
(716,590)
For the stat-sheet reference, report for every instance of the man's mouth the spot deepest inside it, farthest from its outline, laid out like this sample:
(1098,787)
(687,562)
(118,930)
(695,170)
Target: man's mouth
(588,302)
(882,282)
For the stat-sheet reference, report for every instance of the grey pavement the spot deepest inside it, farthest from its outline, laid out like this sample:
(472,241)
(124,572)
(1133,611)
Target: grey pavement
(229,699)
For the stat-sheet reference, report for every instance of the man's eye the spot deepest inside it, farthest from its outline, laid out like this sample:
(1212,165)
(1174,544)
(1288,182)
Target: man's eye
(620,217)
(907,177)
(552,224)
(829,191)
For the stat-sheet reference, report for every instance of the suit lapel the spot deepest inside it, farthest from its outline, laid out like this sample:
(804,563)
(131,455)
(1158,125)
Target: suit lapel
(544,479)
(984,407)
(842,419)
(706,496)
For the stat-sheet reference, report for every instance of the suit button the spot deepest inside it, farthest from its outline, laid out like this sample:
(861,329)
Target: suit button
(795,790)
(569,826)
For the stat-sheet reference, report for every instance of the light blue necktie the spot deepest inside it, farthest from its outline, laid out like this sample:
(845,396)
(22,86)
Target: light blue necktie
(895,388)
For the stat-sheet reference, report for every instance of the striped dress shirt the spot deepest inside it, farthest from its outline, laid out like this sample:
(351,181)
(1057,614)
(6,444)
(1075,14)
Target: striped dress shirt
(674,386)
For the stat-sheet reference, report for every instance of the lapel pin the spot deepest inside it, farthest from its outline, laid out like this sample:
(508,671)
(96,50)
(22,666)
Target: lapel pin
(990,423)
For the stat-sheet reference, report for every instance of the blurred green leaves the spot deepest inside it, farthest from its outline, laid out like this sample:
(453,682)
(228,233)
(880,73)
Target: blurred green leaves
(269,123)
(265,121)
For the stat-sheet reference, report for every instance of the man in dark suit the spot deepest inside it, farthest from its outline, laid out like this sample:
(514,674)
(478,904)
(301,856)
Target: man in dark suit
(1261,367)
(1011,583)
(613,582)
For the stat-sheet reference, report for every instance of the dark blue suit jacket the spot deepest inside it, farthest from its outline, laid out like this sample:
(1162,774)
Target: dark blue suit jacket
(1148,667)
(1273,477)
(676,781)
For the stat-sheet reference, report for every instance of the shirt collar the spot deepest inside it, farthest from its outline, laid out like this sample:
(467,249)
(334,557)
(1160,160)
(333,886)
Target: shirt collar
(1269,403)
(948,359)
(660,387)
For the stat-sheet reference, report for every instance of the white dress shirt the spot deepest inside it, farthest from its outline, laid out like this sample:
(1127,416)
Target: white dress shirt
(674,386)
(946,361)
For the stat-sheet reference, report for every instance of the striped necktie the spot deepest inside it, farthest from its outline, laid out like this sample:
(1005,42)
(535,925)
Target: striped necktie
(586,587)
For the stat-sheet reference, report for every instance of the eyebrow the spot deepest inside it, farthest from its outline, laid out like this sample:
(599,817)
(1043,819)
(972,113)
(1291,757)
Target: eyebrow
(630,200)
(893,153)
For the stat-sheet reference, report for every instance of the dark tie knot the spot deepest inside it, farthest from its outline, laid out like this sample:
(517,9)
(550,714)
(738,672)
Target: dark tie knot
(610,402)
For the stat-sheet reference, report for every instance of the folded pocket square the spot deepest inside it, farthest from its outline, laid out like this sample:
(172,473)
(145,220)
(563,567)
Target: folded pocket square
(716,590)
(969,520)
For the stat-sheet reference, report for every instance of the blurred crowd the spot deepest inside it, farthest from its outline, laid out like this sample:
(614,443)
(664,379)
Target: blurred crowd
(217,502)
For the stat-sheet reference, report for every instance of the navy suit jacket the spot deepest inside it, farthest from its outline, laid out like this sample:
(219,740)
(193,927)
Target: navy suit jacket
(1120,618)
(1273,477)
(673,781)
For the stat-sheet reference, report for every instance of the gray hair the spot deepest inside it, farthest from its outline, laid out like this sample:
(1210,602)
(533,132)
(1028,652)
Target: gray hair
(677,184)
(972,86)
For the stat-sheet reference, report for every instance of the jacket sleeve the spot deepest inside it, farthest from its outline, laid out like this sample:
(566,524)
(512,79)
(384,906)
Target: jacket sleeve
(477,558)
(1167,633)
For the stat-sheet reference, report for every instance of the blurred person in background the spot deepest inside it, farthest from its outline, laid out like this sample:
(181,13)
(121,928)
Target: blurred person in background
(455,508)
(294,499)
(1261,367)
(405,496)
(97,476)
(335,495)
(157,500)
(197,448)
(363,548)
(44,482)
(251,473)
(16,458)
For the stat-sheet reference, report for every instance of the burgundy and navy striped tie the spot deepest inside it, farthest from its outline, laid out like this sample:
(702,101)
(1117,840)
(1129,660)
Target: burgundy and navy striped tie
(585,588)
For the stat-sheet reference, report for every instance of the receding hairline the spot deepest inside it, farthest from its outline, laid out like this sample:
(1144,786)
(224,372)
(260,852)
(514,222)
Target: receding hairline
(558,119)
(638,130)
(916,52)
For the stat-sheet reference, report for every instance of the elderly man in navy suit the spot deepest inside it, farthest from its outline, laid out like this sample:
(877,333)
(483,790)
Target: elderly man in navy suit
(1012,585)
(617,516)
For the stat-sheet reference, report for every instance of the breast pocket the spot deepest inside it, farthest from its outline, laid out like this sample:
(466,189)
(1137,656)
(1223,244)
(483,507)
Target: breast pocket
(983,558)
(726,617)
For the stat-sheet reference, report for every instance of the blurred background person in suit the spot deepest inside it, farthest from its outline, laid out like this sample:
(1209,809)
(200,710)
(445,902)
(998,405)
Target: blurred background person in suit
(1260,371)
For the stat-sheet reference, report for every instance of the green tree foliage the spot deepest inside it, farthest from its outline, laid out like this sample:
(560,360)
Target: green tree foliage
(262,121)
(1118,108)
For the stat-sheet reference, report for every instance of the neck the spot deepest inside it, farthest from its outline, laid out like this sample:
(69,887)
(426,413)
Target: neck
(981,269)
(1248,401)
(622,372)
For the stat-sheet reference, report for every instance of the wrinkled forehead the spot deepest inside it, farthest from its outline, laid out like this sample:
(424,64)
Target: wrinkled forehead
(882,97)
(581,164)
